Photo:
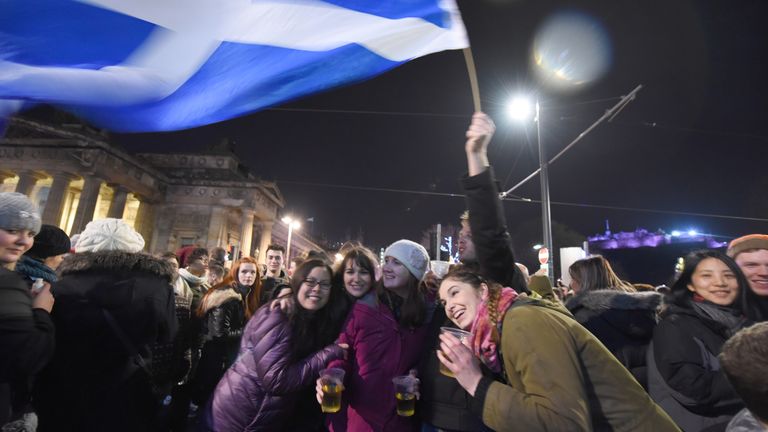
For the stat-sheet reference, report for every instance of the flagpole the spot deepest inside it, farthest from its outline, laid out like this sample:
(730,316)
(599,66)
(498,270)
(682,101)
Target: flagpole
(472,78)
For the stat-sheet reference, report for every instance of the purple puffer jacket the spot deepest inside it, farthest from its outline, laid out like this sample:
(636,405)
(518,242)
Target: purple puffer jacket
(379,350)
(259,390)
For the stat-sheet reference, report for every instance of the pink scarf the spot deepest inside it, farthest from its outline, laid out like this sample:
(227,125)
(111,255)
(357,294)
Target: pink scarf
(485,335)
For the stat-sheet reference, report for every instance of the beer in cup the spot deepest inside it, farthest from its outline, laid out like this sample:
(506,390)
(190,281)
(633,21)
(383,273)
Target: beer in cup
(332,381)
(459,334)
(405,394)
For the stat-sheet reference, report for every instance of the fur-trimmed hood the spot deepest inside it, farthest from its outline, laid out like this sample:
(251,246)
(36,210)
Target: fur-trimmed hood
(218,297)
(605,299)
(633,314)
(116,262)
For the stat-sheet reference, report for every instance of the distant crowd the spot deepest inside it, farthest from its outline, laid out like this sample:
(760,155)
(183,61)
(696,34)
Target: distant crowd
(97,335)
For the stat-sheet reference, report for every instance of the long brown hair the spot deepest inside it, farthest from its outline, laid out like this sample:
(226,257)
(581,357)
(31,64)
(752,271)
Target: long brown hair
(595,273)
(413,311)
(253,298)
(365,259)
(225,284)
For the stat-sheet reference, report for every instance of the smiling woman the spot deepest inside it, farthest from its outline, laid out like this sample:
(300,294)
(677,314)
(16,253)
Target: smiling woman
(26,335)
(556,375)
(684,376)
(280,356)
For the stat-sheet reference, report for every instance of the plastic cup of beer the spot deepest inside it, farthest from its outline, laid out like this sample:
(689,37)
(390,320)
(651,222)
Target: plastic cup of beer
(332,381)
(459,334)
(405,394)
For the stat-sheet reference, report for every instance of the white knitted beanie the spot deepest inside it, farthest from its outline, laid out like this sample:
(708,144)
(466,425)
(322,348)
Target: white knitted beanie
(413,256)
(109,235)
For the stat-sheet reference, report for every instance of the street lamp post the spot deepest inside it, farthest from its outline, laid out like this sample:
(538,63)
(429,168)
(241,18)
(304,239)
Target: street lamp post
(519,109)
(292,224)
(546,216)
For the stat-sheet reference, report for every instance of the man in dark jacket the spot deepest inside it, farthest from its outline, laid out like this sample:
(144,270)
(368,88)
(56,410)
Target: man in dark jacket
(483,242)
(113,304)
(26,329)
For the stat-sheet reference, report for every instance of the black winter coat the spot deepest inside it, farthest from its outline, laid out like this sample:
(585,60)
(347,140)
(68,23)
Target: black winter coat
(92,383)
(493,244)
(222,329)
(27,339)
(684,375)
(445,404)
(622,321)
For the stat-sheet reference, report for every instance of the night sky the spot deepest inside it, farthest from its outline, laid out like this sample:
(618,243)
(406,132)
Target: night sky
(693,141)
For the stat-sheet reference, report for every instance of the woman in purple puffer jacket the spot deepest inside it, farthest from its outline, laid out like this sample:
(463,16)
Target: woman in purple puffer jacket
(269,387)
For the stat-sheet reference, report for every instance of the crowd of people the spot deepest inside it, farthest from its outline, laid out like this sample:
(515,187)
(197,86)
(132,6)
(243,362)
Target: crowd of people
(97,335)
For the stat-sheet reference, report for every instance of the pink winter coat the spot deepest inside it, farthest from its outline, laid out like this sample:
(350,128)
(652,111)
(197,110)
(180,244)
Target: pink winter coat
(379,350)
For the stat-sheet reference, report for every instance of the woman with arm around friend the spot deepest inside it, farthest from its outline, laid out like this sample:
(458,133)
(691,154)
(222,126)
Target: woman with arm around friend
(274,373)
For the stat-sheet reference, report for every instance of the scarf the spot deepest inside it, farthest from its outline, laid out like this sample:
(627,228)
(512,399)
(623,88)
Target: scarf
(34,269)
(486,335)
(729,317)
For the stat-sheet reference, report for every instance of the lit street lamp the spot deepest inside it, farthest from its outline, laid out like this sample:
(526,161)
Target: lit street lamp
(292,224)
(519,110)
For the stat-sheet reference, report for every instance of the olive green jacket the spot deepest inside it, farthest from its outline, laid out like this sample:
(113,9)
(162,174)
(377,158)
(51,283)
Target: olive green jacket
(561,378)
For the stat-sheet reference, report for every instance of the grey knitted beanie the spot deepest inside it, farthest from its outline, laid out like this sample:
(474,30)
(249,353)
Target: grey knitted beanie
(17,212)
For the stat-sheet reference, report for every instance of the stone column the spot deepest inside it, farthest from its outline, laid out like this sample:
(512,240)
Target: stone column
(266,239)
(119,198)
(217,226)
(89,196)
(27,182)
(57,196)
(246,234)
(144,222)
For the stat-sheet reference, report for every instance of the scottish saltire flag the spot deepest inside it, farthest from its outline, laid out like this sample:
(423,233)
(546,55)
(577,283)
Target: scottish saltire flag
(159,65)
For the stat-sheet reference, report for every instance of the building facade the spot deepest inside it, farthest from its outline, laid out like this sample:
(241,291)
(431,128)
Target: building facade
(75,175)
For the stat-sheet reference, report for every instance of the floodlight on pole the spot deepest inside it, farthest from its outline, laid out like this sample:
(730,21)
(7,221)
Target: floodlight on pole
(519,109)
(292,225)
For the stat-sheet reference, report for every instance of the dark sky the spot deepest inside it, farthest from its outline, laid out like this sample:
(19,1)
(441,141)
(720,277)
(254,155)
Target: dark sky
(703,65)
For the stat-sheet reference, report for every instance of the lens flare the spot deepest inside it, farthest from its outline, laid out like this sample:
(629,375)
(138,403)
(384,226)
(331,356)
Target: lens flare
(570,51)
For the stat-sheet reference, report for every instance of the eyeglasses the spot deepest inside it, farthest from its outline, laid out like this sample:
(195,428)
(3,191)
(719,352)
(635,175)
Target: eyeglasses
(313,283)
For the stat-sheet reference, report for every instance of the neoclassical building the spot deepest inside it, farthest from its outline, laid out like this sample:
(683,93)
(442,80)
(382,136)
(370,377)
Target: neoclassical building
(173,200)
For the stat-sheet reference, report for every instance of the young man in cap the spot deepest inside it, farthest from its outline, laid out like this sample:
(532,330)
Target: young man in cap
(751,254)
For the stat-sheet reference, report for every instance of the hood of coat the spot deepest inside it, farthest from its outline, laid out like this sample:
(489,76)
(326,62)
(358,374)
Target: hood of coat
(116,262)
(598,300)
(218,297)
(633,314)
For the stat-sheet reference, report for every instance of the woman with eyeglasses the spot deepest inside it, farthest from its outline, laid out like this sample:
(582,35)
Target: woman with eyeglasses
(385,331)
(269,386)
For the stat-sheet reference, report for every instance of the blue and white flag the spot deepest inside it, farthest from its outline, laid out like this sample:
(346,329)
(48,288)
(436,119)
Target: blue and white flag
(160,65)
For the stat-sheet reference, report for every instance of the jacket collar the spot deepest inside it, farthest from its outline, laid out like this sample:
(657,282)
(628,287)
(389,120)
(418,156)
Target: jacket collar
(115,262)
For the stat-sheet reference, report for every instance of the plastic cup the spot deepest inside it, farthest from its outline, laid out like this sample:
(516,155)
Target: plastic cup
(440,268)
(332,381)
(405,394)
(459,334)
